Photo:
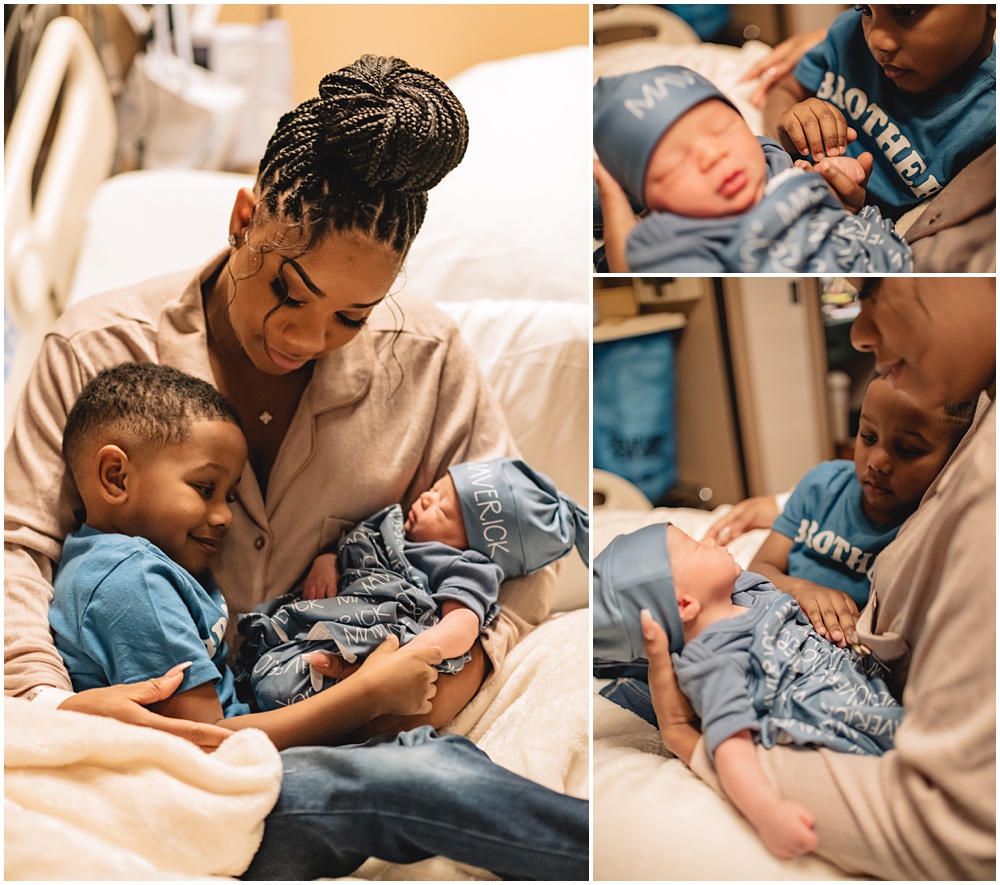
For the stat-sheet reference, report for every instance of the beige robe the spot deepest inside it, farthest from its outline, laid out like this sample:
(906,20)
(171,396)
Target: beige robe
(381,420)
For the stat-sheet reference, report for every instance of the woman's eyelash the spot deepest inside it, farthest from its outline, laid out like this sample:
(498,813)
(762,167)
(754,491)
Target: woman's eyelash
(280,290)
(351,323)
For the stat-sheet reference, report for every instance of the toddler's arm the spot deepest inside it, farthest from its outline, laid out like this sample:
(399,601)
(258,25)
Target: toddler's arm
(784,826)
(832,612)
(321,582)
(453,635)
(392,681)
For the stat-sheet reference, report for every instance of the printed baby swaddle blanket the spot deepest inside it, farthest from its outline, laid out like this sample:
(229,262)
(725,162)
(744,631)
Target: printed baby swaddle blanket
(387,585)
(769,671)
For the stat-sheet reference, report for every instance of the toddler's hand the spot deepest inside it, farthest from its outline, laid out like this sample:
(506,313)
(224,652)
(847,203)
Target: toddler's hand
(749,514)
(321,582)
(787,830)
(832,612)
(401,680)
(814,127)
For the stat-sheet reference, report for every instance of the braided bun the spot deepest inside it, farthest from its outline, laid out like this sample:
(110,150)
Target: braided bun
(397,126)
(363,155)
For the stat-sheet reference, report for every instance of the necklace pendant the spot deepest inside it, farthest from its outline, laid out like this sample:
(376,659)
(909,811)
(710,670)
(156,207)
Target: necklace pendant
(265,417)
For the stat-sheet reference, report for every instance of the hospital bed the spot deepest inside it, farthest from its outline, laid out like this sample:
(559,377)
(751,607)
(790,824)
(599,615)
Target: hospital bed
(502,251)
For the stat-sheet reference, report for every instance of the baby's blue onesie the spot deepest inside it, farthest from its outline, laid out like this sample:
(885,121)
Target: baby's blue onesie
(768,671)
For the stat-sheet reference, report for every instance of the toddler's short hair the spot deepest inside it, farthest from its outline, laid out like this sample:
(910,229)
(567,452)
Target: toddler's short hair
(142,406)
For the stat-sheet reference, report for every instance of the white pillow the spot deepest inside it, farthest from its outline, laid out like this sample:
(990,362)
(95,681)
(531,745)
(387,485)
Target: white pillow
(514,219)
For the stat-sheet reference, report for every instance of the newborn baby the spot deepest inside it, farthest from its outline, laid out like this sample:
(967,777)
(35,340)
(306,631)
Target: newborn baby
(715,196)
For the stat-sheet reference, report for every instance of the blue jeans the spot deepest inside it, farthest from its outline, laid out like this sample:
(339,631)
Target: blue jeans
(414,795)
(629,687)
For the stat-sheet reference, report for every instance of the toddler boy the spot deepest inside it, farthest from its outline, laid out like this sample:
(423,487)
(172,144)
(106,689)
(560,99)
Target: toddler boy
(913,85)
(717,197)
(430,578)
(749,662)
(842,514)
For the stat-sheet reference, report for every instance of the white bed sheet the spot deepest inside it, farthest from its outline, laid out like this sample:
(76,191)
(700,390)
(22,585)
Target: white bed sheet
(652,817)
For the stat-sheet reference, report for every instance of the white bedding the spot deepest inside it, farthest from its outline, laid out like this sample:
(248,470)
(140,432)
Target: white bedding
(652,817)
(90,797)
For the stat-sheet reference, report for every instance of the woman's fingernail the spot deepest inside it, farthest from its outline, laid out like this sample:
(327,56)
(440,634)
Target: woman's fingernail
(180,668)
(646,620)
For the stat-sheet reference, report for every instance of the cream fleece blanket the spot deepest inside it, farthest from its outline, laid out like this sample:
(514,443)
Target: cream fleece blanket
(91,798)
(87,797)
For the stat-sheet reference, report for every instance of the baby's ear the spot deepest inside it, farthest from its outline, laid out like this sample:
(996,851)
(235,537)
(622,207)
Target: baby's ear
(689,607)
(112,470)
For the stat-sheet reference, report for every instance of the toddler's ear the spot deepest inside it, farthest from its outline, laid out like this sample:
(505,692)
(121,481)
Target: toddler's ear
(689,607)
(112,469)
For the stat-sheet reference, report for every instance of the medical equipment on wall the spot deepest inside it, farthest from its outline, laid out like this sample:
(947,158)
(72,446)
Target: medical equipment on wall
(204,95)
(173,113)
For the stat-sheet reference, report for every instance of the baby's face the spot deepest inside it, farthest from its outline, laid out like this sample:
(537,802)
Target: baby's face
(707,165)
(920,46)
(899,450)
(437,516)
(701,569)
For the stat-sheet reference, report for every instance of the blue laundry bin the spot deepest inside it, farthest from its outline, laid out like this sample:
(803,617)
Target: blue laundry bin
(635,434)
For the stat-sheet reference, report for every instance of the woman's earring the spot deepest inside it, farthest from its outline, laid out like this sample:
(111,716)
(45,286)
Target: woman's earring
(232,239)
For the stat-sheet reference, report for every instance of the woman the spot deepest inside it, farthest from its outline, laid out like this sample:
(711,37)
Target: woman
(346,408)
(927,809)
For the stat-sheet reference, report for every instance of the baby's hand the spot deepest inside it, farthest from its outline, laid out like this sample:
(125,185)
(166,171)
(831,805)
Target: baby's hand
(321,582)
(401,680)
(814,127)
(787,830)
(846,177)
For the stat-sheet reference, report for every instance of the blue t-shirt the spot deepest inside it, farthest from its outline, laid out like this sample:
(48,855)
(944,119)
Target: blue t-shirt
(123,611)
(919,142)
(834,543)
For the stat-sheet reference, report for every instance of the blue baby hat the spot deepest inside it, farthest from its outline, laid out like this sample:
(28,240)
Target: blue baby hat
(517,517)
(631,113)
(630,574)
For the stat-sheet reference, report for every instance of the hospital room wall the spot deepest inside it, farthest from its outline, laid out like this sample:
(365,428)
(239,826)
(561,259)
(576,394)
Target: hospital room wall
(749,382)
(443,38)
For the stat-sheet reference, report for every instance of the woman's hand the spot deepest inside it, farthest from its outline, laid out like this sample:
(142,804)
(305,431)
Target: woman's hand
(321,582)
(752,513)
(401,680)
(619,219)
(787,829)
(779,63)
(832,612)
(673,712)
(814,128)
(127,703)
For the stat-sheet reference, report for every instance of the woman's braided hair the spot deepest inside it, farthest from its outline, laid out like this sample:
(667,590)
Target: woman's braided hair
(363,155)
